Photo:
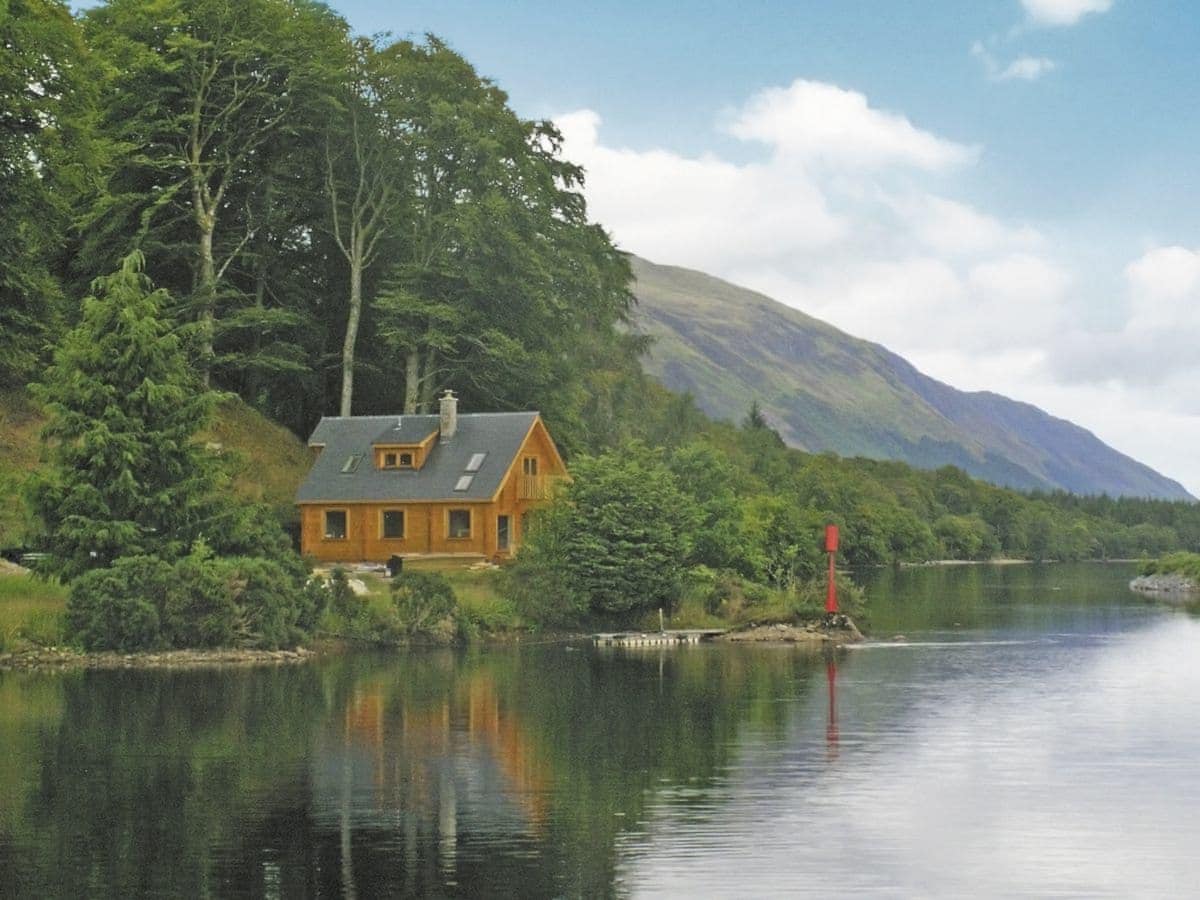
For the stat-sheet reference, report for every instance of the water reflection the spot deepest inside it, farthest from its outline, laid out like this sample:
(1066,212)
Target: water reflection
(1029,721)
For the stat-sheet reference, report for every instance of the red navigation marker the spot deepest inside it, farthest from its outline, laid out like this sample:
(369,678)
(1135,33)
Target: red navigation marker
(831,547)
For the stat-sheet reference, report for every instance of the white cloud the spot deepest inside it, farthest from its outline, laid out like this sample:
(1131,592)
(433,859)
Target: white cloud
(1062,12)
(1023,68)
(848,215)
(1156,344)
(815,121)
(1027,68)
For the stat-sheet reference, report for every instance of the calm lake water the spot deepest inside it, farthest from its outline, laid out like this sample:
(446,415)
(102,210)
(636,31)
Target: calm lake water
(1036,734)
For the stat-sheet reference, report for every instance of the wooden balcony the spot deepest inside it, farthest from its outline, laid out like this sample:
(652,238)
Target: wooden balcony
(537,487)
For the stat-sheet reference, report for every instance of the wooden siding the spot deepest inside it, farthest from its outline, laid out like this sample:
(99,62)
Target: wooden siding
(426,524)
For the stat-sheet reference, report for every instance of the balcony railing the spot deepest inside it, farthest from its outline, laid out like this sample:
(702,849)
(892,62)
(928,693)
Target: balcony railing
(537,487)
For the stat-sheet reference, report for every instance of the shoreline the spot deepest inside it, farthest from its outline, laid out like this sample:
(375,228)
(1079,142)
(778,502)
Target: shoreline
(66,659)
(1170,587)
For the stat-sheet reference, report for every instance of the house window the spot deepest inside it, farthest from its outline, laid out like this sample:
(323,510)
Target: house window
(460,523)
(335,524)
(393,524)
(394,460)
(530,465)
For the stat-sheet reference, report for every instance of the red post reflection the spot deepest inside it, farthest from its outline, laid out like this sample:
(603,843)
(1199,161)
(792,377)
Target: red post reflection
(831,726)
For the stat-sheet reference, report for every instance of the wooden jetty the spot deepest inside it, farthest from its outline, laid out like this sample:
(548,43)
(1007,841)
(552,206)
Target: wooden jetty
(655,638)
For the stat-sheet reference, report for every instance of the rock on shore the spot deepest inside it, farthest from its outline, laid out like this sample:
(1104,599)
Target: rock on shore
(1170,585)
(841,630)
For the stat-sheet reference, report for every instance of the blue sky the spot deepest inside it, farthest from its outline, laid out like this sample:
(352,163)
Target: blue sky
(1005,192)
(1117,118)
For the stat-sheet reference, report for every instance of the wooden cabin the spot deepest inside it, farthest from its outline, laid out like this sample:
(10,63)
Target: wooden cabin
(425,485)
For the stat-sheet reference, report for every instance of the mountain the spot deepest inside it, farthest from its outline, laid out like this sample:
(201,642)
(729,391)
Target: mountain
(825,390)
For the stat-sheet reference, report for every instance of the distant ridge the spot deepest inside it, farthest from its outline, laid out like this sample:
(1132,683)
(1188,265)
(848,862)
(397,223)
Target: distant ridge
(825,390)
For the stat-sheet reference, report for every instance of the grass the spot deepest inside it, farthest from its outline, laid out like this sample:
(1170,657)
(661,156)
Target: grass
(20,452)
(266,462)
(31,610)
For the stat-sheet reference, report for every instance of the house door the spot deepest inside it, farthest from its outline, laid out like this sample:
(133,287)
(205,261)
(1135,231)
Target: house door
(502,533)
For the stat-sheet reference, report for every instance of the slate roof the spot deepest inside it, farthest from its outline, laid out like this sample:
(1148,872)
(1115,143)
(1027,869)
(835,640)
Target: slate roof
(499,435)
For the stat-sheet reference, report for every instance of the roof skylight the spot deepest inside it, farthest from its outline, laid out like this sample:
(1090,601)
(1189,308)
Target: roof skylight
(476,461)
(464,482)
(351,464)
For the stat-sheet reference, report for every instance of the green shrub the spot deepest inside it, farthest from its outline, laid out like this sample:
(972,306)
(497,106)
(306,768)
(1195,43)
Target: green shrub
(116,608)
(274,602)
(1184,564)
(536,584)
(425,604)
(142,603)
(198,609)
(341,596)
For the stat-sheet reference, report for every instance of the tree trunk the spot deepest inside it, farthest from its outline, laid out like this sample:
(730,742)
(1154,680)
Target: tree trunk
(351,335)
(207,291)
(412,380)
(429,381)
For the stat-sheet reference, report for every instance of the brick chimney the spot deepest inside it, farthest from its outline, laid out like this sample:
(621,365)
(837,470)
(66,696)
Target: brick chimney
(449,415)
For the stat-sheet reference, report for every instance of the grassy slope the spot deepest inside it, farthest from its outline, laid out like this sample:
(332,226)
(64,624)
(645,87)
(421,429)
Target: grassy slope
(825,390)
(265,460)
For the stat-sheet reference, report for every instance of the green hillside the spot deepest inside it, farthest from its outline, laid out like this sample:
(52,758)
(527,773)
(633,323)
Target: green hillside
(266,462)
(825,390)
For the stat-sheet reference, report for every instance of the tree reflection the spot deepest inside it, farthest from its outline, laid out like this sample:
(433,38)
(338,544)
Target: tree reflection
(500,772)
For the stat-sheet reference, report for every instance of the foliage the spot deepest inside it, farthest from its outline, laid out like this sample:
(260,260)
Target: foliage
(342,599)
(198,608)
(43,98)
(628,532)
(425,603)
(538,583)
(116,608)
(126,478)
(276,607)
(143,603)
(1185,564)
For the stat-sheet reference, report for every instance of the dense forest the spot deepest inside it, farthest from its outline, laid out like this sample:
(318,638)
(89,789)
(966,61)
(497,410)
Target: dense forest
(326,223)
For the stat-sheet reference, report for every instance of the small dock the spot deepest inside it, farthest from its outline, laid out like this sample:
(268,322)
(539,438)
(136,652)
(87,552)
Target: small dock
(655,638)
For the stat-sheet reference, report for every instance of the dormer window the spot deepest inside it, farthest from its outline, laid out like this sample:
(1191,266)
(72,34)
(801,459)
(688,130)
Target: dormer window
(396,459)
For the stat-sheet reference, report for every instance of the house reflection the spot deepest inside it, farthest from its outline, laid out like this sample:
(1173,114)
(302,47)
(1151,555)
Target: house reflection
(420,767)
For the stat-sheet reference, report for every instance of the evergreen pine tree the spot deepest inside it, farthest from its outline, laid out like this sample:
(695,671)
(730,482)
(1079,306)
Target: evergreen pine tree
(125,477)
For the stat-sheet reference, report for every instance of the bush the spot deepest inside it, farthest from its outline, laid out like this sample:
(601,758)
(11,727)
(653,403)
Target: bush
(142,603)
(425,604)
(275,604)
(342,599)
(116,608)
(198,608)
(537,584)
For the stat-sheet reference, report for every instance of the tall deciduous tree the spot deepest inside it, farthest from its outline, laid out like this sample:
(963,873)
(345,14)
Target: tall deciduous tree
(197,93)
(364,162)
(498,283)
(41,83)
